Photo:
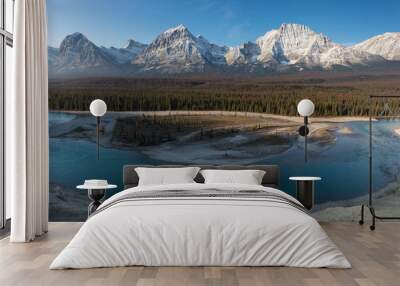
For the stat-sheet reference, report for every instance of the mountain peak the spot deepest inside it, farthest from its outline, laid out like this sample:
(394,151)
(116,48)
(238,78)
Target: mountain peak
(77,36)
(132,44)
(78,52)
(294,27)
(177,50)
(392,34)
(179,28)
(74,40)
(292,44)
(129,44)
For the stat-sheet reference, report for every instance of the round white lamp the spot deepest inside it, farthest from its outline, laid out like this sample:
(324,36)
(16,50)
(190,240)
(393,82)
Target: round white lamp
(305,108)
(98,108)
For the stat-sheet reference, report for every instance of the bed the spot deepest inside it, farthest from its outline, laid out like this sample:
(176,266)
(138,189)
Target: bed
(199,224)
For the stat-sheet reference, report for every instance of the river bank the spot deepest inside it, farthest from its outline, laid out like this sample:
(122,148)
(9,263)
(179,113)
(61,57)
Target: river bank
(298,119)
(254,133)
(386,202)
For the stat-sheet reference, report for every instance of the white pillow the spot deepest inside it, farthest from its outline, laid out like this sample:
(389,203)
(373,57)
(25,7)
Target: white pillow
(166,176)
(247,177)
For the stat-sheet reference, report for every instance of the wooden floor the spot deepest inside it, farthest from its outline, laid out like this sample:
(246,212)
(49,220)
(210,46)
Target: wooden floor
(375,257)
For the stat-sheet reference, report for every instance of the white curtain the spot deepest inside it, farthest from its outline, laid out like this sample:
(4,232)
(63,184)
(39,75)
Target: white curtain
(27,124)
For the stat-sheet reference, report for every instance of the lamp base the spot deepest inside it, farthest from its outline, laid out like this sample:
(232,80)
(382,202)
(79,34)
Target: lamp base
(304,131)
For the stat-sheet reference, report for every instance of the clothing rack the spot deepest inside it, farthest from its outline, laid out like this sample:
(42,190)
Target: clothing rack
(370,205)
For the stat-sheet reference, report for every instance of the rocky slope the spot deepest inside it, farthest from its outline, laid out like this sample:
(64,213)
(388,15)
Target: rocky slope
(127,53)
(386,45)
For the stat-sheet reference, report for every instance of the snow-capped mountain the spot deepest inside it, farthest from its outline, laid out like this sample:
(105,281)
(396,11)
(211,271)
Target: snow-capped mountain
(292,47)
(293,44)
(386,45)
(299,46)
(178,50)
(77,53)
(348,57)
(127,53)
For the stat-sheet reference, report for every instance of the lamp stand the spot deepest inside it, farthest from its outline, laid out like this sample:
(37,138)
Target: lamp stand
(98,137)
(305,137)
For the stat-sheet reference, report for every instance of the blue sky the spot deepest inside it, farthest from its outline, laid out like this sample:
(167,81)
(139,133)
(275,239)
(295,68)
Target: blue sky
(112,22)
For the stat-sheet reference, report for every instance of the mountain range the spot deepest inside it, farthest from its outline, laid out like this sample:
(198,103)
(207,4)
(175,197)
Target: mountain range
(291,47)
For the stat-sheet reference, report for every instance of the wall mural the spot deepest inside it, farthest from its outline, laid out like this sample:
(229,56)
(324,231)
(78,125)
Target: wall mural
(176,97)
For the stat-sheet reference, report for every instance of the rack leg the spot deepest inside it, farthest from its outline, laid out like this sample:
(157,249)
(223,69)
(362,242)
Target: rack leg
(361,221)
(372,226)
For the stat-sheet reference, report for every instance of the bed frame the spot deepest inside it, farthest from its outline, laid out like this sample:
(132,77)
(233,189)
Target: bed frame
(270,179)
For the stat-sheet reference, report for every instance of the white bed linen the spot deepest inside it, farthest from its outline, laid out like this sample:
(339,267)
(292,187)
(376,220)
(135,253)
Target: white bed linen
(206,231)
(247,177)
(166,176)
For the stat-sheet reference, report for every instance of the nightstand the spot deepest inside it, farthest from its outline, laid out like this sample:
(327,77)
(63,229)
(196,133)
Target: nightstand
(95,194)
(305,190)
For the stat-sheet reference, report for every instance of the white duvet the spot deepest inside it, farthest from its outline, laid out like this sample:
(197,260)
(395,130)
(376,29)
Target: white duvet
(200,231)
